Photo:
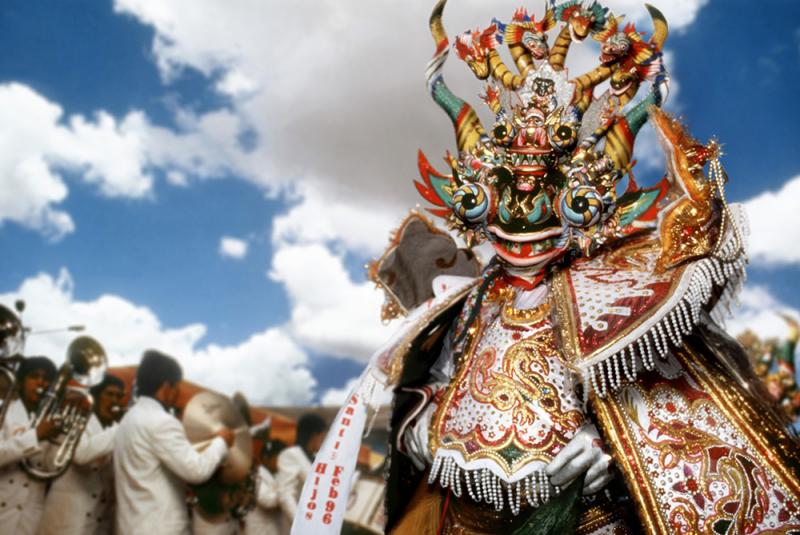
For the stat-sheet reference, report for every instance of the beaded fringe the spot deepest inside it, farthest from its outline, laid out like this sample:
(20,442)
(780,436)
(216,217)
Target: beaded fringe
(483,485)
(724,271)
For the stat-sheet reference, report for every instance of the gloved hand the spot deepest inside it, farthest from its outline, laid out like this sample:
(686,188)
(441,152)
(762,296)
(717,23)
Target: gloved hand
(584,453)
(415,438)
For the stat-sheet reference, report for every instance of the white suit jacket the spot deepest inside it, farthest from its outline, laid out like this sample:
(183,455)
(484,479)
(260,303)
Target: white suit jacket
(21,497)
(266,518)
(201,526)
(81,501)
(152,460)
(293,467)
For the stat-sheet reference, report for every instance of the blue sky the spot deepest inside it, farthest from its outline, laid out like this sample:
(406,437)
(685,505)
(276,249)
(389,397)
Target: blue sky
(300,145)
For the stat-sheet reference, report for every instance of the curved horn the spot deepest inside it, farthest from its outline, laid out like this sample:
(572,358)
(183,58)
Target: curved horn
(465,121)
(660,28)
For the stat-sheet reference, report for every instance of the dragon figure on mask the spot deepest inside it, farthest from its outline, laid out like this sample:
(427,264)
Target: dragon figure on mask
(580,381)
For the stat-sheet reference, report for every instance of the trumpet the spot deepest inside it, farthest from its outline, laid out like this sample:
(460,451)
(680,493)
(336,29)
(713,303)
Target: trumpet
(68,406)
(12,340)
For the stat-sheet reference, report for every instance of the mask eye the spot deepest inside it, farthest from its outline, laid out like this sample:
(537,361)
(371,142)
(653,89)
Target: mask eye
(503,132)
(562,136)
(581,206)
(471,203)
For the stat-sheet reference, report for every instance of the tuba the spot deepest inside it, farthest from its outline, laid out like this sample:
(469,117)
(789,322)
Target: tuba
(12,341)
(69,406)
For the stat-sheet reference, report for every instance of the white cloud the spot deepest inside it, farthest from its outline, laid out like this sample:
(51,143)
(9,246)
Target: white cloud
(177,178)
(118,156)
(775,225)
(36,143)
(276,367)
(335,397)
(330,313)
(236,84)
(110,153)
(269,368)
(232,247)
(760,311)
(315,219)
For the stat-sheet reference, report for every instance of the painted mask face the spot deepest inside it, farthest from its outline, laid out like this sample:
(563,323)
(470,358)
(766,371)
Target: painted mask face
(517,175)
(538,183)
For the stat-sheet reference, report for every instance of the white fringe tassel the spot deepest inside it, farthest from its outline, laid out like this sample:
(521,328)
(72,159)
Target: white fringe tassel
(710,274)
(483,485)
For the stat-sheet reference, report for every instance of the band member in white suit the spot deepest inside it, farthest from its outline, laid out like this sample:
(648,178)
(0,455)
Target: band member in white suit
(201,526)
(294,463)
(266,518)
(22,497)
(211,512)
(81,502)
(153,458)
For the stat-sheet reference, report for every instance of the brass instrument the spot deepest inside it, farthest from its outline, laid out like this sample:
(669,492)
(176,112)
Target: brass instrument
(231,491)
(68,406)
(12,341)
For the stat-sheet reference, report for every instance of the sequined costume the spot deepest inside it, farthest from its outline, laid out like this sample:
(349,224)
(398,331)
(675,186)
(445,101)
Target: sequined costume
(600,308)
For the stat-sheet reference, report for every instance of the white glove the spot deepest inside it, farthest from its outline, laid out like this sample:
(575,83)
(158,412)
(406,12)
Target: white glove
(415,438)
(584,453)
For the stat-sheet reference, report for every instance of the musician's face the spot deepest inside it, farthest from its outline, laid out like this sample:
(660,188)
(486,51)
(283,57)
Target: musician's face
(172,395)
(315,442)
(271,462)
(109,404)
(34,386)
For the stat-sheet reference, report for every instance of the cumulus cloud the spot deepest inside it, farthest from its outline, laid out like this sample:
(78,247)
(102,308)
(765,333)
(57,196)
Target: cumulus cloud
(335,397)
(775,225)
(316,219)
(232,247)
(39,145)
(35,143)
(330,313)
(760,311)
(276,367)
